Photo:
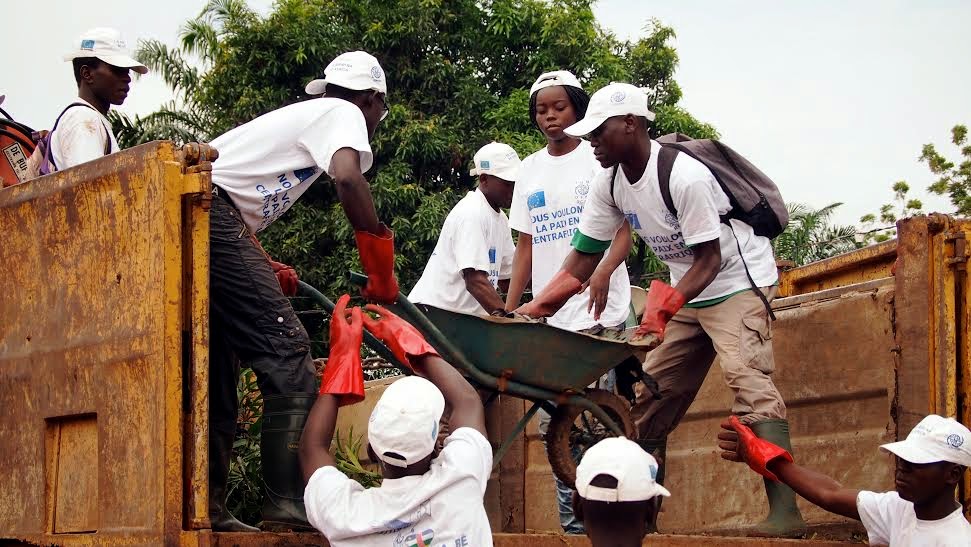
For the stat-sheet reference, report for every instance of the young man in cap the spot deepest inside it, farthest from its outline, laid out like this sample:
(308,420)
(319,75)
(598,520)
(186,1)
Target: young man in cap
(922,510)
(475,249)
(424,499)
(710,310)
(617,494)
(102,69)
(264,166)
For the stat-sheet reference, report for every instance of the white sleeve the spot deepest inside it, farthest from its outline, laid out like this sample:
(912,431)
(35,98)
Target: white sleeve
(877,514)
(601,218)
(470,247)
(327,499)
(81,137)
(518,211)
(692,191)
(469,451)
(340,127)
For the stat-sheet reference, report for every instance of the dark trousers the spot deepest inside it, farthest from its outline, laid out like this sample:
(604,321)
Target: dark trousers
(250,321)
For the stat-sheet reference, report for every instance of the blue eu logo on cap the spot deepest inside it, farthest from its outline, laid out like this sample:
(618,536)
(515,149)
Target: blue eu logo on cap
(87,44)
(536,199)
(484,164)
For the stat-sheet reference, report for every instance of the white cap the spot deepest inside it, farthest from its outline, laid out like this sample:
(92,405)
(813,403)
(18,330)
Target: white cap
(105,44)
(496,159)
(404,422)
(614,99)
(935,439)
(556,77)
(622,459)
(357,70)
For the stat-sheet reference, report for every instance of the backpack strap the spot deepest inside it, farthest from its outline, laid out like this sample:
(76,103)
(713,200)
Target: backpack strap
(49,154)
(613,179)
(755,288)
(665,164)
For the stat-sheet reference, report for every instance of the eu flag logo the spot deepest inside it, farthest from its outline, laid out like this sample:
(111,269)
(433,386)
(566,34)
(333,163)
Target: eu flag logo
(492,255)
(305,173)
(632,219)
(536,199)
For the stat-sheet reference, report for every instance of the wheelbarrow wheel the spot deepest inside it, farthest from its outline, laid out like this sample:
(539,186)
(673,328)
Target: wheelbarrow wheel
(572,424)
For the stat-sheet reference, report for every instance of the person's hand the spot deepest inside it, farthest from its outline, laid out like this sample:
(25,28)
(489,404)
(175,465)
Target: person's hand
(377,259)
(404,340)
(663,301)
(739,444)
(343,376)
(599,286)
(287,277)
(560,289)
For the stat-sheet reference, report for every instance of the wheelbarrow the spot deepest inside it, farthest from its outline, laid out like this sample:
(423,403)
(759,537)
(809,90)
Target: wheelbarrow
(547,366)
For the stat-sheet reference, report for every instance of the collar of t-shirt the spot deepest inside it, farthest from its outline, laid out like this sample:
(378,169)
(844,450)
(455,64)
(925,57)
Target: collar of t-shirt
(98,112)
(485,202)
(956,514)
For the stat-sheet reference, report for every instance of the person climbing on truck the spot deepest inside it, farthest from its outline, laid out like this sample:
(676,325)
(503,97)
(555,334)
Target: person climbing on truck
(472,259)
(263,167)
(423,495)
(617,494)
(921,511)
(723,276)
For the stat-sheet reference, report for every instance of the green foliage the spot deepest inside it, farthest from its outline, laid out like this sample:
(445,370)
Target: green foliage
(810,236)
(345,453)
(881,226)
(954,180)
(245,492)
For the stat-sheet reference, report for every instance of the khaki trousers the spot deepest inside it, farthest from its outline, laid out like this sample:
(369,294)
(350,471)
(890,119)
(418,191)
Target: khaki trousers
(739,332)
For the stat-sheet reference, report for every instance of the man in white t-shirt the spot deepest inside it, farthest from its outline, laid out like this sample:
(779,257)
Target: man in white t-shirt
(617,492)
(425,498)
(921,512)
(263,167)
(82,132)
(711,309)
(475,249)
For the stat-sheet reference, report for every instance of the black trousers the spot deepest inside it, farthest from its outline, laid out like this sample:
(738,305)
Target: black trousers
(250,321)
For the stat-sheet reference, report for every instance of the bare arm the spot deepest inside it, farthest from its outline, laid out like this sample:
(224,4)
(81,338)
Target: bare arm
(581,265)
(707,263)
(459,395)
(318,432)
(354,192)
(478,284)
(522,271)
(600,280)
(817,488)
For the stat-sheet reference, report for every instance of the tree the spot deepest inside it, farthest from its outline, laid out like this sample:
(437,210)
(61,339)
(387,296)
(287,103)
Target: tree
(459,74)
(889,213)
(810,237)
(953,180)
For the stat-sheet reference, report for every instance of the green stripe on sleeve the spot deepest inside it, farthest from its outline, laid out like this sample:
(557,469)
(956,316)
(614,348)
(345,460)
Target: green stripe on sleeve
(587,244)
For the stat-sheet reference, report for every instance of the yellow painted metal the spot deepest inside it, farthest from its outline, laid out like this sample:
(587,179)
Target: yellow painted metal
(867,264)
(104,310)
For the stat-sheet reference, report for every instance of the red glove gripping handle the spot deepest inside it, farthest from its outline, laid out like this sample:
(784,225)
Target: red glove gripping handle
(343,376)
(758,452)
(663,301)
(377,258)
(287,277)
(554,295)
(402,339)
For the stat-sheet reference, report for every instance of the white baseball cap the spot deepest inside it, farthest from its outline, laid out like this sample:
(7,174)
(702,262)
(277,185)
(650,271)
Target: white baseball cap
(556,77)
(105,44)
(622,459)
(403,426)
(357,70)
(496,159)
(615,99)
(935,439)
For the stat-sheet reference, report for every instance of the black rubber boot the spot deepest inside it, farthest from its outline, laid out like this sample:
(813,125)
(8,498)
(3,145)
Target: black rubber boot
(657,448)
(283,419)
(220,453)
(784,518)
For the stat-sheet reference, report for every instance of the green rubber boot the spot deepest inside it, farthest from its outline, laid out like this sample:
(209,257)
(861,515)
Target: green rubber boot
(784,518)
(657,448)
(283,419)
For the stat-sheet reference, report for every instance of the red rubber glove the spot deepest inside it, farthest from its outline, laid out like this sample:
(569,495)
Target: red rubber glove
(756,452)
(287,277)
(663,301)
(549,301)
(401,337)
(377,258)
(343,376)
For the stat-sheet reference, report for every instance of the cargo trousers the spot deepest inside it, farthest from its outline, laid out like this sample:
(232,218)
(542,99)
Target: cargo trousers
(739,332)
(250,321)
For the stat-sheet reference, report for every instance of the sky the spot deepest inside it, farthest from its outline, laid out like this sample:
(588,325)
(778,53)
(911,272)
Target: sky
(832,99)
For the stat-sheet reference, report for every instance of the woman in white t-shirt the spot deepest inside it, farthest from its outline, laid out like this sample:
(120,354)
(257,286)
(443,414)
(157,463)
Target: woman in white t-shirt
(550,195)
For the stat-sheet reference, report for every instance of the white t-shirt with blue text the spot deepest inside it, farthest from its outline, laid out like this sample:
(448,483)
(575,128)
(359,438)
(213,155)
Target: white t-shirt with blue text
(699,201)
(474,236)
(442,508)
(891,520)
(266,164)
(550,195)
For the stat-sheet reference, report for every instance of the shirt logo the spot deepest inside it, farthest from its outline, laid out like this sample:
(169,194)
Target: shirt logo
(632,219)
(492,255)
(582,189)
(420,539)
(536,199)
(671,220)
(305,173)
(87,45)
(955,440)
